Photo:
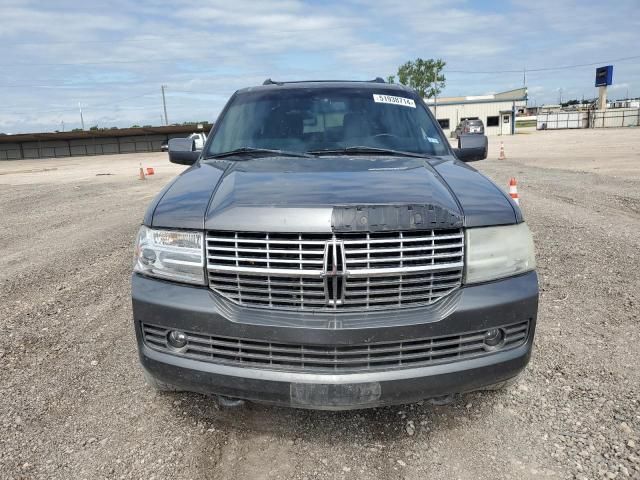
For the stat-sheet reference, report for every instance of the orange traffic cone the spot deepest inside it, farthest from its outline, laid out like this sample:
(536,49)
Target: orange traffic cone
(513,190)
(502,155)
(141,174)
(150,171)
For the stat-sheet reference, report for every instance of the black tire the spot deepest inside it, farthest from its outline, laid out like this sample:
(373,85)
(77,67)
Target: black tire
(158,385)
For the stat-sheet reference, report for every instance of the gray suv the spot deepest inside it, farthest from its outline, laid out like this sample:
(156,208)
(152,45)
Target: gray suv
(328,249)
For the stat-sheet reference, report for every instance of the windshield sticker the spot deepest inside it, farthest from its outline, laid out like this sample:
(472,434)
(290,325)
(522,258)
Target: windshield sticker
(405,102)
(433,140)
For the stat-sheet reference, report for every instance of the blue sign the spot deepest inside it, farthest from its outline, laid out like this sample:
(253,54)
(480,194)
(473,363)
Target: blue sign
(604,76)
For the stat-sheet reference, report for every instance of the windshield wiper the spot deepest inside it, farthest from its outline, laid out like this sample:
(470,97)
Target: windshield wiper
(369,150)
(257,151)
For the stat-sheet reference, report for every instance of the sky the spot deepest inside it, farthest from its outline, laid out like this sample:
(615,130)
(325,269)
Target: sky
(113,56)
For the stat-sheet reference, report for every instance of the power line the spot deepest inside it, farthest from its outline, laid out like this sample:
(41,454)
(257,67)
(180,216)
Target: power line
(545,69)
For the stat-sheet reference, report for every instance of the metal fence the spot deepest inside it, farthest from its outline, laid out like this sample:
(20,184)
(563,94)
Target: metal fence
(562,120)
(615,117)
(72,148)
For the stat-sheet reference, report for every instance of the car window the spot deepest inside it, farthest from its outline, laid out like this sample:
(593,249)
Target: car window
(332,118)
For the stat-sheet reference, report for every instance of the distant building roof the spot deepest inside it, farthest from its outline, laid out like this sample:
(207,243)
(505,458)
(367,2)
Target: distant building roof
(519,94)
(104,132)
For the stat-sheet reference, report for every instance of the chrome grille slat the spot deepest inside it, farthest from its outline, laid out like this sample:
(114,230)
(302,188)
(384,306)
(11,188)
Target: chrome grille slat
(269,250)
(274,299)
(329,358)
(382,271)
(405,281)
(273,291)
(336,272)
(351,291)
(406,249)
(283,242)
(407,239)
(403,258)
(266,260)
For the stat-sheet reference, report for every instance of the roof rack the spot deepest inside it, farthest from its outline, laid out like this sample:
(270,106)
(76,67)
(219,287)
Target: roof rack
(268,81)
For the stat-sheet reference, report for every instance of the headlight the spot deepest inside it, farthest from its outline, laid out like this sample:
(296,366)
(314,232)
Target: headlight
(498,252)
(170,254)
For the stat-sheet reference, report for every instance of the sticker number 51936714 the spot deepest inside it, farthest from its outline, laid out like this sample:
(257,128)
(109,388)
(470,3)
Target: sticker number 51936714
(405,102)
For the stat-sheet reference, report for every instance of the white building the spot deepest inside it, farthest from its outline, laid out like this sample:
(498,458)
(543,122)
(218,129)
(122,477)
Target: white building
(496,111)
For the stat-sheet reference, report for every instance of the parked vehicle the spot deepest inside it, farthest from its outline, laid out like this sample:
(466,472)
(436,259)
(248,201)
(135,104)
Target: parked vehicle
(197,142)
(328,249)
(474,126)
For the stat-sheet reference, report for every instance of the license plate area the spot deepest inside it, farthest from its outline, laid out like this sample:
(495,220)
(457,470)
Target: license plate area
(335,395)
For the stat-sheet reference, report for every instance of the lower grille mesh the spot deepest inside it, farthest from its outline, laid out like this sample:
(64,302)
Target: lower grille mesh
(351,358)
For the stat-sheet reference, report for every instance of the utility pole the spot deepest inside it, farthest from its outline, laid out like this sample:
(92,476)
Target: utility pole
(524,77)
(62,123)
(164,104)
(81,118)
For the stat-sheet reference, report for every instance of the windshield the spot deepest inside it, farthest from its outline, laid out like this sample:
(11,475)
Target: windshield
(313,119)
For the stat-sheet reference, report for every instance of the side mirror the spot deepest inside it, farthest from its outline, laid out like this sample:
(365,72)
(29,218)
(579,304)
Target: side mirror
(472,147)
(183,151)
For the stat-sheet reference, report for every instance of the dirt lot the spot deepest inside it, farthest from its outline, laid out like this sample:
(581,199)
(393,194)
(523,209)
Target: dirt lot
(73,403)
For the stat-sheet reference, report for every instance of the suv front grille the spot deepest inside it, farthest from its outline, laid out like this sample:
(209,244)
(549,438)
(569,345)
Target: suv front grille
(335,271)
(352,358)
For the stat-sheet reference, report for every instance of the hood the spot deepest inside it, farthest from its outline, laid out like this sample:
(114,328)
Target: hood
(482,202)
(298,194)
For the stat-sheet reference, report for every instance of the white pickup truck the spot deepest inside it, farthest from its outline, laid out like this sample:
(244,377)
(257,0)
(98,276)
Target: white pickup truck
(198,142)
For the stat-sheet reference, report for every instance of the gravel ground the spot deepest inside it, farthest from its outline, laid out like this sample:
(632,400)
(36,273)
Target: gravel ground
(73,403)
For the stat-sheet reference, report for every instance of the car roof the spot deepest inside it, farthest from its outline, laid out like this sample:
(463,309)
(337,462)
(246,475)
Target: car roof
(312,84)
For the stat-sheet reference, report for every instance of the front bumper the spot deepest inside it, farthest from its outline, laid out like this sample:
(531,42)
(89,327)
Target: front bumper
(478,307)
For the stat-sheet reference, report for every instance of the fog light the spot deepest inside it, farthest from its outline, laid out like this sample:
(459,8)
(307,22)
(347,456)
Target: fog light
(494,337)
(177,339)
(148,256)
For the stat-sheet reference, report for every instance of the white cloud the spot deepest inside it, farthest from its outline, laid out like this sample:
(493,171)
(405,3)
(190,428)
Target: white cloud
(205,51)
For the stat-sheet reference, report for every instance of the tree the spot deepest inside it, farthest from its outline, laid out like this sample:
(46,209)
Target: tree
(570,103)
(425,76)
(391,79)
